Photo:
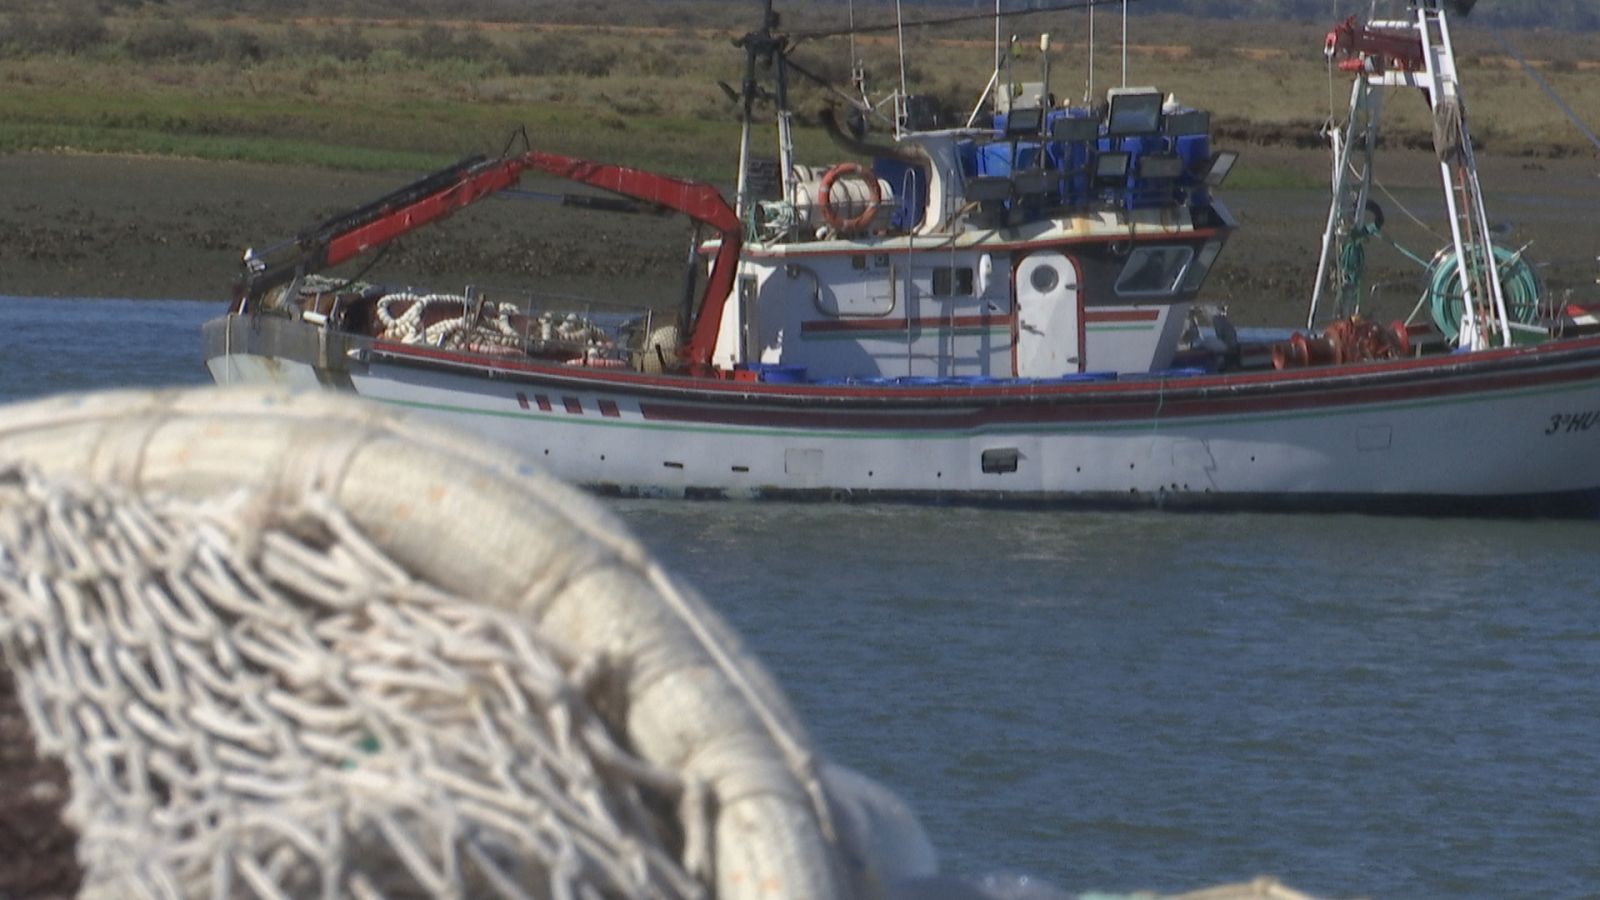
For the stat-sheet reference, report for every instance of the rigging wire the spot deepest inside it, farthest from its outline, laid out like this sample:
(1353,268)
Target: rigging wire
(1408,213)
(829,86)
(1549,91)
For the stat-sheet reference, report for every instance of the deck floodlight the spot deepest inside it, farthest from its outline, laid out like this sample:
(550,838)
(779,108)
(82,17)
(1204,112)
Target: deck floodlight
(1034,182)
(1189,121)
(1222,163)
(1028,120)
(1074,130)
(1160,166)
(1112,168)
(1133,111)
(988,189)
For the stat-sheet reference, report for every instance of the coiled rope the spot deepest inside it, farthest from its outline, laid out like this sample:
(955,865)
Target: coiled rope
(1524,293)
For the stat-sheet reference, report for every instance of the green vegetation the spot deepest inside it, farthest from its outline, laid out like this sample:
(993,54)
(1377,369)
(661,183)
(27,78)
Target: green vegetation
(1567,15)
(409,84)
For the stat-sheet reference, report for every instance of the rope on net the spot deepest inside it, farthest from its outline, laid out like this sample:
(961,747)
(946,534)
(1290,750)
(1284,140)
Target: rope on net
(282,711)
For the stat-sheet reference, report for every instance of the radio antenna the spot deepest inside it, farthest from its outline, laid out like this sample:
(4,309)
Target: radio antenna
(1124,42)
(1088,85)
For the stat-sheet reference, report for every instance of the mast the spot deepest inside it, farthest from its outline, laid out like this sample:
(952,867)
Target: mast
(1415,52)
(750,42)
(760,46)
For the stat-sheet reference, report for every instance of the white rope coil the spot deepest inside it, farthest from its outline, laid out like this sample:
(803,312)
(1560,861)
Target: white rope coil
(492,326)
(484,327)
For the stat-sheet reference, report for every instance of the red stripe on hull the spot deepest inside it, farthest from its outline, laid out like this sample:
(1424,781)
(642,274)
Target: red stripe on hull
(1164,406)
(1121,315)
(1445,370)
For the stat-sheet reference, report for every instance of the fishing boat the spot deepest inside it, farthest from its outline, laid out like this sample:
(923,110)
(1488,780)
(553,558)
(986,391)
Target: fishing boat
(1002,310)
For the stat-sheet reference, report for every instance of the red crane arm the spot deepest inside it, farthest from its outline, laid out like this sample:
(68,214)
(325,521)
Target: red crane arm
(473,185)
(442,193)
(698,201)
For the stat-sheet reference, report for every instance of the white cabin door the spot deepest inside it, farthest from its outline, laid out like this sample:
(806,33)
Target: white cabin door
(1049,317)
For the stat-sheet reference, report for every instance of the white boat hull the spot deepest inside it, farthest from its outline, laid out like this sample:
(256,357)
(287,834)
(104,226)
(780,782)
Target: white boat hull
(1514,431)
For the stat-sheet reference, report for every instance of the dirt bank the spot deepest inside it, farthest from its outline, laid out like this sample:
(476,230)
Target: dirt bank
(148,227)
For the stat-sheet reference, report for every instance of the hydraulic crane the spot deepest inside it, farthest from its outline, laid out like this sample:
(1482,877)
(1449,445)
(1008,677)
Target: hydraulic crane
(440,194)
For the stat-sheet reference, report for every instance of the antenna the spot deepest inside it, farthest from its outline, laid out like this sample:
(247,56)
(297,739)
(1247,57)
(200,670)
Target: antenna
(900,99)
(1044,62)
(997,35)
(1124,42)
(858,73)
(1088,86)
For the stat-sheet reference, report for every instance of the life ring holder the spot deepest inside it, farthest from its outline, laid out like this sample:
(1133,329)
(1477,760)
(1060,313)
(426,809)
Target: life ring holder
(856,223)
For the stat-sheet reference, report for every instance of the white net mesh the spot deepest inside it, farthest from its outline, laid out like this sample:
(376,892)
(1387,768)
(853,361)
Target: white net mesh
(256,702)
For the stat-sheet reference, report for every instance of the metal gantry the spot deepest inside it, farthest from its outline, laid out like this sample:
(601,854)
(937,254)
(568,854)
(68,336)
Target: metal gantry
(1415,52)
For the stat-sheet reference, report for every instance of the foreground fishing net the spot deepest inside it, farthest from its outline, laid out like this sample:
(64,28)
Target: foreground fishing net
(284,709)
(294,646)
(227,612)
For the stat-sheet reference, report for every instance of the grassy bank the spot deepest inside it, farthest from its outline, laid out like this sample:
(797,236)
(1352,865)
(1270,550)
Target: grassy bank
(385,94)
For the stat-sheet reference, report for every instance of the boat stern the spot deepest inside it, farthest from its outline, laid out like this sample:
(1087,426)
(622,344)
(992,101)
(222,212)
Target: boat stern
(244,348)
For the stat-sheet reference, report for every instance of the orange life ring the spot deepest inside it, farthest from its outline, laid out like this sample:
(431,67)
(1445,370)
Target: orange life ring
(831,216)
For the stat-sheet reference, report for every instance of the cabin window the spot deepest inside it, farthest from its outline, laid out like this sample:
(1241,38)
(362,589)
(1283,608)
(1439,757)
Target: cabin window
(952,281)
(1198,271)
(1154,271)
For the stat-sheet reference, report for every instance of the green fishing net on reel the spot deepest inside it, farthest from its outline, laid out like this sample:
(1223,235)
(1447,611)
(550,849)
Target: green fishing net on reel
(1519,282)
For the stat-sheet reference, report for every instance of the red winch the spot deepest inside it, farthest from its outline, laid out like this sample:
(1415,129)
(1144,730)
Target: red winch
(1345,341)
(1382,48)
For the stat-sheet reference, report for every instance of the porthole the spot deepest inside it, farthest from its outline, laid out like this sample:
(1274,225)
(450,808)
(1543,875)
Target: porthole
(1044,279)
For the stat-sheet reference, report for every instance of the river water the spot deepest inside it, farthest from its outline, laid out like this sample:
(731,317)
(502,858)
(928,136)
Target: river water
(1385,707)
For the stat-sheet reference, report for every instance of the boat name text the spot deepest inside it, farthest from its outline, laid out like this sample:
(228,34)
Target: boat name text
(1571,422)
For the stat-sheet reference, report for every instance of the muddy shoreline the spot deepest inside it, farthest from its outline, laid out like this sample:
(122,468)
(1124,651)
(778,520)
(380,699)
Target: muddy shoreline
(137,227)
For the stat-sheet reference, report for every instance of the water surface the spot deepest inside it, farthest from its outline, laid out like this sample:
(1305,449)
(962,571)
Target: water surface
(1394,708)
